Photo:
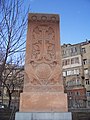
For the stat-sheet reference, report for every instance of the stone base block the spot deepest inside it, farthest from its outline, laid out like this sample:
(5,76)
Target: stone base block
(43,116)
(43,101)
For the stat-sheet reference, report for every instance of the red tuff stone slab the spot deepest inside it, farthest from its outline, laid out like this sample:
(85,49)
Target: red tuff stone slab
(43,101)
(43,86)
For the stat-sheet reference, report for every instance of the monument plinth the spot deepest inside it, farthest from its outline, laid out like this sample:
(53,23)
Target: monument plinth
(43,86)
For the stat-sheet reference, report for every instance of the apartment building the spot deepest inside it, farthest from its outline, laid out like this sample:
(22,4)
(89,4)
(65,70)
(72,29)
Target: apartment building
(85,46)
(73,75)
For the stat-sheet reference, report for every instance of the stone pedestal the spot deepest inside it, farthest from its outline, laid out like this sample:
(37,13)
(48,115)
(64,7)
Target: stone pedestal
(43,116)
(43,102)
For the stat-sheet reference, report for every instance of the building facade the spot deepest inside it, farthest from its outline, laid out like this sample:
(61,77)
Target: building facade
(73,75)
(85,47)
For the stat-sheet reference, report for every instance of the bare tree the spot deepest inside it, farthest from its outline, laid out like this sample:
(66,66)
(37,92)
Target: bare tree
(13,77)
(13,24)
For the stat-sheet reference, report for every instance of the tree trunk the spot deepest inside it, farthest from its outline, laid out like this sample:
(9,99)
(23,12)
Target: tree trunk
(10,98)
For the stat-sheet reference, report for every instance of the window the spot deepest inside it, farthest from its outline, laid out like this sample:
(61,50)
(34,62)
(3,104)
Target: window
(64,73)
(86,71)
(69,83)
(69,72)
(74,82)
(78,82)
(70,93)
(63,63)
(72,72)
(84,61)
(83,50)
(77,60)
(88,93)
(73,50)
(72,61)
(77,93)
(66,62)
(64,52)
(88,103)
(87,81)
(0,93)
(76,71)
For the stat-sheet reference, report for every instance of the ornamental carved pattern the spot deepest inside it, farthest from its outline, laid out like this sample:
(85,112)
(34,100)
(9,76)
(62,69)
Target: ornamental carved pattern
(44,68)
(43,43)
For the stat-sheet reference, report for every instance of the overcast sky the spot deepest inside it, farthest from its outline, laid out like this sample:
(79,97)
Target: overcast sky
(74,17)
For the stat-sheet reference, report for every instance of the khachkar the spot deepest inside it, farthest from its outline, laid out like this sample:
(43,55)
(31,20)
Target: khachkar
(43,87)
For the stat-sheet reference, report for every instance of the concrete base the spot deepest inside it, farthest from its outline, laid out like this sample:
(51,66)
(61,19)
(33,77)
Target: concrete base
(43,116)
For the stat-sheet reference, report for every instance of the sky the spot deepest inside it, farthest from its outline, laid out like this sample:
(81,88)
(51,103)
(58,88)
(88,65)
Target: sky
(74,17)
